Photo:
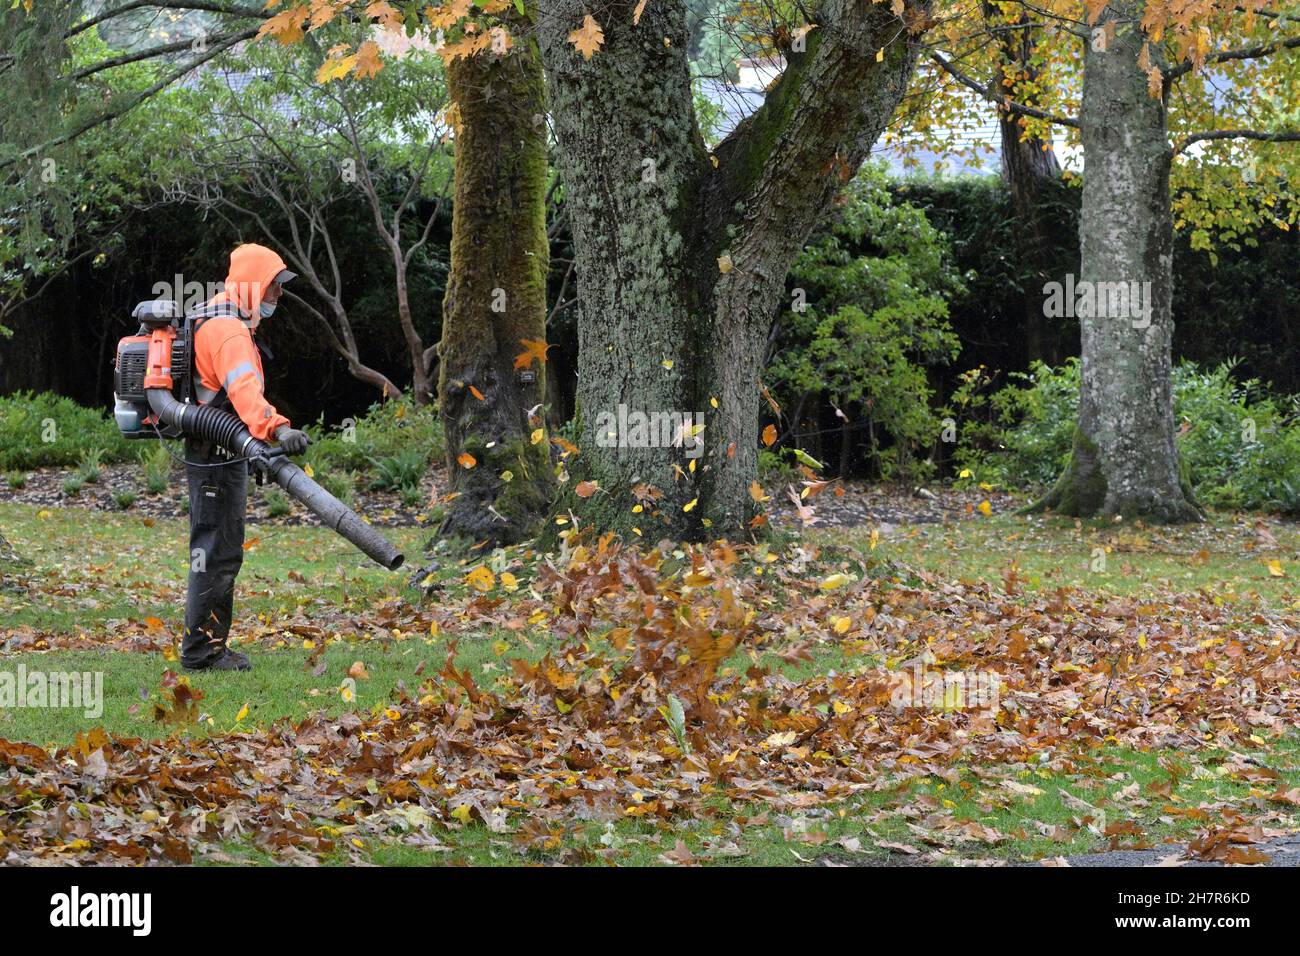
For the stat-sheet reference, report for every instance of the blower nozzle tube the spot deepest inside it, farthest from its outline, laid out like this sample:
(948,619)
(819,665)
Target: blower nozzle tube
(221,427)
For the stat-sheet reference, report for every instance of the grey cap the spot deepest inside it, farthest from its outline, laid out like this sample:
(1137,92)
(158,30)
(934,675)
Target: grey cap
(284,275)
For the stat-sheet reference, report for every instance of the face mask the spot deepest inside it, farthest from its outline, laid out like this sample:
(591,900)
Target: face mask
(267,308)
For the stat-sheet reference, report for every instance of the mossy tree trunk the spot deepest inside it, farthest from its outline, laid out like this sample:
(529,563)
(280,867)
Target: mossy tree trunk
(682,255)
(1125,459)
(496,296)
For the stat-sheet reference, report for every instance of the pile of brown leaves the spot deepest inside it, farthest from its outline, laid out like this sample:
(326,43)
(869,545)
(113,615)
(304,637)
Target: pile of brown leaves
(644,711)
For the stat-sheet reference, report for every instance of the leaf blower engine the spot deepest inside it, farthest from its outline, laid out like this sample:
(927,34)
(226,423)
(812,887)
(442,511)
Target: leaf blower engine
(154,398)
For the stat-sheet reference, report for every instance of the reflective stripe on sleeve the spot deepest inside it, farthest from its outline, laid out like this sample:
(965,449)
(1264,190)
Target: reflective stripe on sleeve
(240,370)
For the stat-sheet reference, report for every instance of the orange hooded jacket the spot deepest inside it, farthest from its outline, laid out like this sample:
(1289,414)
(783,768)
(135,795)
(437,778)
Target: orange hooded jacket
(224,353)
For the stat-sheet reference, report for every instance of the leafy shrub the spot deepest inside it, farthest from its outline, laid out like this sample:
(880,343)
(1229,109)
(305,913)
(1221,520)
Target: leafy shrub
(341,484)
(124,498)
(1018,435)
(88,469)
(1240,445)
(402,470)
(71,485)
(868,317)
(412,496)
(385,430)
(156,463)
(16,478)
(277,503)
(44,429)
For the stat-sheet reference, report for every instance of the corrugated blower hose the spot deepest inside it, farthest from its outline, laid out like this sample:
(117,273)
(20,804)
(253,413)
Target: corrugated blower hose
(146,406)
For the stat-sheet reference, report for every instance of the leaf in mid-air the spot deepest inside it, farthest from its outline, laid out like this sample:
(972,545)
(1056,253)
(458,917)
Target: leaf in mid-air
(588,38)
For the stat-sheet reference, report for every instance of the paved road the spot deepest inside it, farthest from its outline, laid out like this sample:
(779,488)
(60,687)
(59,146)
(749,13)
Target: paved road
(1283,851)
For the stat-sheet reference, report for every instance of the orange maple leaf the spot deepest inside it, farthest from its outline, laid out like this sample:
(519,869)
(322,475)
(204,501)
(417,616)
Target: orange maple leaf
(536,350)
(368,62)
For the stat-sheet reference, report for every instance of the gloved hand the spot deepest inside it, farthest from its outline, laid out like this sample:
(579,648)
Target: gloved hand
(292,440)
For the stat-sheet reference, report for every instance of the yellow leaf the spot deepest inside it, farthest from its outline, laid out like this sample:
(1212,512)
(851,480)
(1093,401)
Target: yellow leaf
(243,712)
(466,460)
(668,364)
(509,581)
(537,435)
(834,581)
(335,68)
(690,504)
(875,538)
(588,38)
(725,264)
(481,578)
(636,14)
(1275,569)
(842,624)
(985,508)
(769,435)
(461,814)
(308,470)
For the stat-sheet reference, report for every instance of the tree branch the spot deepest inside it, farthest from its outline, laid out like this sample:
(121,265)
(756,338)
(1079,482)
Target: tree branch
(185,5)
(1001,102)
(131,102)
(1244,53)
(1264,136)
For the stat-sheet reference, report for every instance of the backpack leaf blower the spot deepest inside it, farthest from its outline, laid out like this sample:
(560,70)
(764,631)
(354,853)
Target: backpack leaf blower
(157,362)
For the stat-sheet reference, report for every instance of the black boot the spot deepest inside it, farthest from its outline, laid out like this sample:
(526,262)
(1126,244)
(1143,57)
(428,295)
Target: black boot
(227,660)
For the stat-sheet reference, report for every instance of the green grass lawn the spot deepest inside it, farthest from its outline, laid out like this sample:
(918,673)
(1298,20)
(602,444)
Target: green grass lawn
(91,570)
(1226,554)
(92,567)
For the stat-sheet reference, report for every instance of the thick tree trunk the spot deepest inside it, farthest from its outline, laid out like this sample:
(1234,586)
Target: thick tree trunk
(682,256)
(1125,459)
(496,296)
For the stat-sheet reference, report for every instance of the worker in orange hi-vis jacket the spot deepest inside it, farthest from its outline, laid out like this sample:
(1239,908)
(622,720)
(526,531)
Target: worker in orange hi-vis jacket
(227,374)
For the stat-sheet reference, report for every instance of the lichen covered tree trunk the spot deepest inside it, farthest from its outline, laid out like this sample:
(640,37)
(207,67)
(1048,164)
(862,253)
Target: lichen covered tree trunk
(1125,459)
(682,255)
(496,296)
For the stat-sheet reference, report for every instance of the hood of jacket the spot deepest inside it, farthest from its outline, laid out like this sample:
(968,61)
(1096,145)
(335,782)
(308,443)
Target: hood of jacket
(252,269)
